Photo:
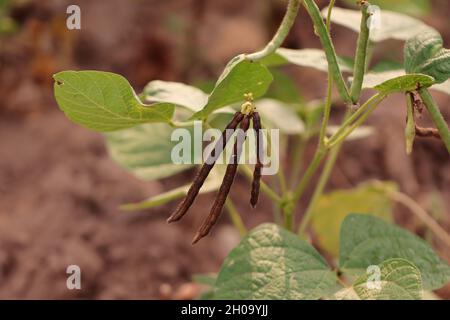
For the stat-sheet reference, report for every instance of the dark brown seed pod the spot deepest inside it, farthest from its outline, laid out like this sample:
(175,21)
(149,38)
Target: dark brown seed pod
(224,190)
(258,166)
(201,176)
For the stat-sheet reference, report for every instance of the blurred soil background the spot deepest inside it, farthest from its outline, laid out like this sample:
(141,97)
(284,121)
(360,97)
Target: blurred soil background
(60,192)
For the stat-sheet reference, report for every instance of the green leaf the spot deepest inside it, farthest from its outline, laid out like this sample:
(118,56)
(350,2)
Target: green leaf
(366,240)
(104,101)
(283,88)
(405,83)
(177,93)
(416,7)
(211,184)
(272,263)
(145,151)
(399,280)
(239,77)
(312,58)
(333,208)
(278,115)
(393,25)
(373,79)
(425,54)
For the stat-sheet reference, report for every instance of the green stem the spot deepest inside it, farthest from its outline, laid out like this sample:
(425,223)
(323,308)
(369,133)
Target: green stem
(235,217)
(410,130)
(281,34)
(327,110)
(321,149)
(355,120)
(436,116)
(326,113)
(245,169)
(288,212)
(323,138)
(361,55)
(317,160)
(330,52)
(324,177)
(330,9)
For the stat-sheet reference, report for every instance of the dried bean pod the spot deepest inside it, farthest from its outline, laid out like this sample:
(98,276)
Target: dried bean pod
(258,166)
(224,190)
(201,176)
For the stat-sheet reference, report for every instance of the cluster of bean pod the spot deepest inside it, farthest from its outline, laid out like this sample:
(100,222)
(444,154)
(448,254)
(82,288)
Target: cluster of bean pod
(244,121)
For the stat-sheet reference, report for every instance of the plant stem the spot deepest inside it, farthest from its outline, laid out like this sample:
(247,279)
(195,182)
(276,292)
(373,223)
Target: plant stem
(282,180)
(288,212)
(264,187)
(326,113)
(436,116)
(235,217)
(323,138)
(317,160)
(321,149)
(281,34)
(361,54)
(355,120)
(330,9)
(327,110)
(410,130)
(415,208)
(330,52)
(324,177)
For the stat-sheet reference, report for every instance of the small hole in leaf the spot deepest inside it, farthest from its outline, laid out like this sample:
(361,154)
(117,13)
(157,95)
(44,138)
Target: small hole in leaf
(59,82)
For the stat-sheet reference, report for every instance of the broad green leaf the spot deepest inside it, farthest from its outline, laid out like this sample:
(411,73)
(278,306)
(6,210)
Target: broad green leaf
(104,101)
(283,88)
(373,79)
(177,93)
(180,94)
(312,58)
(415,7)
(393,25)
(399,280)
(211,184)
(333,208)
(272,263)
(405,83)
(145,150)
(366,240)
(278,115)
(425,54)
(240,77)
